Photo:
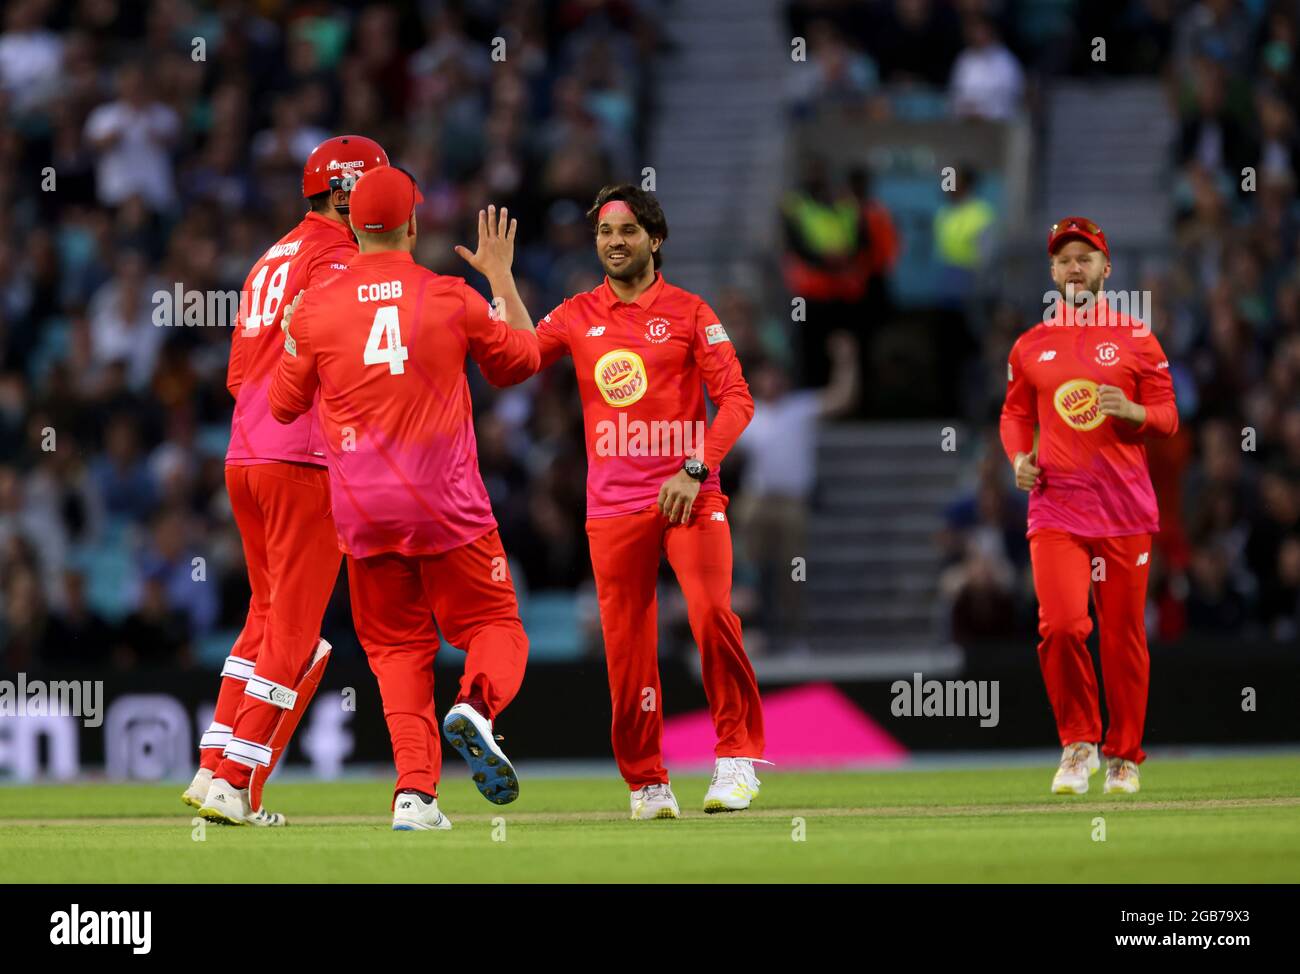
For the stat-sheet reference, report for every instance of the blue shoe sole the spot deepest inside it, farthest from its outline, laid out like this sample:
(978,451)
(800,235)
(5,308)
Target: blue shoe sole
(494,776)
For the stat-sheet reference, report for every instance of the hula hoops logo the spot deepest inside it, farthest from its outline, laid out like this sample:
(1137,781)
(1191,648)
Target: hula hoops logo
(1077,403)
(621,377)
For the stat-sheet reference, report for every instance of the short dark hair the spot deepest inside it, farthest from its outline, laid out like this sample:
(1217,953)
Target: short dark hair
(320,202)
(644,206)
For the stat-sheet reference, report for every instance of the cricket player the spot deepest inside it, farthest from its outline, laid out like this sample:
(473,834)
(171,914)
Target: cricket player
(1094,383)
(644,352)
(279,494)
(383,344)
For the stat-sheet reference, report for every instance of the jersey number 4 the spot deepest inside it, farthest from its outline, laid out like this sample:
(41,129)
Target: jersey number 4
(386,326)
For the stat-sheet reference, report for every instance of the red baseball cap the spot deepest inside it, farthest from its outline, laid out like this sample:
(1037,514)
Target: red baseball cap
(383,199)
(1076,228)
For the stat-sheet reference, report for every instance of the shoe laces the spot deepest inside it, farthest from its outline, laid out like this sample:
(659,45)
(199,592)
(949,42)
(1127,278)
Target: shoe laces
(1075,758)
(732,771)
(658,791)
(724,772)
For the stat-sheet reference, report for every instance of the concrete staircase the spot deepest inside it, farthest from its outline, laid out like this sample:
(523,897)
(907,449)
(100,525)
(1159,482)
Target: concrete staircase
(717,144)
(1107,146)
(873,564)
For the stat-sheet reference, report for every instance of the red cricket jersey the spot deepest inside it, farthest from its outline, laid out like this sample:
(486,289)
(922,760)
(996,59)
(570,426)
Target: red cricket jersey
(310,253)
(642,371)
(384,344)
(1095,482)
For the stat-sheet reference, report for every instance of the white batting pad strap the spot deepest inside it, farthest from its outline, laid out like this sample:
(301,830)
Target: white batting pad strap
(237,667)
(216,736)
(248,753)
(264,689)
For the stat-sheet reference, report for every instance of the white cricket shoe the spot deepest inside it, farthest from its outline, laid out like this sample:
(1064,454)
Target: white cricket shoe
(734,785)
(1079,762)
(470,733)
(228,805)
(1121,776)
(411,813)
(198,789)
(654,801)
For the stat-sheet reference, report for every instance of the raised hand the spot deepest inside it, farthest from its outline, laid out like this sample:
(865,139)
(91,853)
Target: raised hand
(496,244)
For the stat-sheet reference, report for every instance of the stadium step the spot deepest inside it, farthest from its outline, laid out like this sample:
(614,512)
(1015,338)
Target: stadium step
(874,568)
(1121,180)
(717,141)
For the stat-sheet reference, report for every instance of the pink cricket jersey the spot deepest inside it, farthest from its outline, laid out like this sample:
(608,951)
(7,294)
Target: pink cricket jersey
(642,370)
(383,344)
(1095,482)
(314,250)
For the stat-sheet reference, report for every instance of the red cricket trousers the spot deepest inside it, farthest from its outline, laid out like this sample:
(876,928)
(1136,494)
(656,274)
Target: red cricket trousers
(292,554)
(1065,567)
(625,554)
(399,603)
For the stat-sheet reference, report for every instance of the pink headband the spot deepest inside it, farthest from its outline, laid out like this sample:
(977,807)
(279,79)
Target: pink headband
(614,206)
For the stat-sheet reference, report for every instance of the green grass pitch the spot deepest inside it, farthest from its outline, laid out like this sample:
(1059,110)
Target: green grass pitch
(1227,820)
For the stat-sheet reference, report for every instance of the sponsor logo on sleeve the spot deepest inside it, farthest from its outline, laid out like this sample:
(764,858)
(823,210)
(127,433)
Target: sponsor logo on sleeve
(621,377)
(1077,403)
(1048,355)
(715,333)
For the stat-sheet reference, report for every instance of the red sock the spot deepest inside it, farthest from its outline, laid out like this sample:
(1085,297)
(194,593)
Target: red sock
(238,775)
(229,698)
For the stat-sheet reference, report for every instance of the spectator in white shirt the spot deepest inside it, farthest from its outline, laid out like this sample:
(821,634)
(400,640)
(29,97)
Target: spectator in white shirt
(30,58)
(132,139)
(780,450)
(121,321)
(987,81)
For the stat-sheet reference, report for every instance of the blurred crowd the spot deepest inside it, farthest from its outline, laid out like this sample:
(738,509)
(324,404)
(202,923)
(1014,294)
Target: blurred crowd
(1225,300)
(149,145)
(1226,309)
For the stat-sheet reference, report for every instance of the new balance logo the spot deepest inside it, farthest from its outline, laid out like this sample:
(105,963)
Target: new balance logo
(595,331)
(1047,356)
(1142,559)
(718,516)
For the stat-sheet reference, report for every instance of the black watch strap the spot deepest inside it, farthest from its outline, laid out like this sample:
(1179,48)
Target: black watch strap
(696,469)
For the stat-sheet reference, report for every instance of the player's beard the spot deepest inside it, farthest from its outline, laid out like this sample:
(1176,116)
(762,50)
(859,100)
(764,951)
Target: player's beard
(1076,290)
(632,268)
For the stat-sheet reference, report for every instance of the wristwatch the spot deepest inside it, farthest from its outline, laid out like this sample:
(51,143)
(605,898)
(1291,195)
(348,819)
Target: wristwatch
(695,469)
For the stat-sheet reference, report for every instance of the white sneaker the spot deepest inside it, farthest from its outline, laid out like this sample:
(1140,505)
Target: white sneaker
(1121,776)
(411,813)
(654,801)
(1079,762)
(228,805)
(734,785)
(198,789)
(470,733)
